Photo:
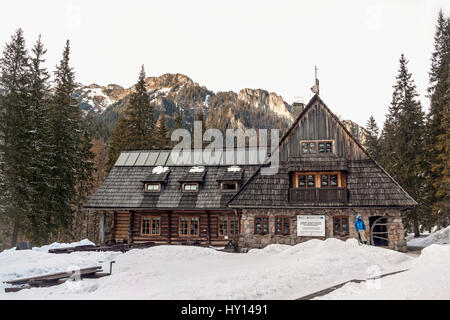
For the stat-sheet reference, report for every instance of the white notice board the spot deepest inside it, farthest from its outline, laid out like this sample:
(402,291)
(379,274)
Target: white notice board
(310,226)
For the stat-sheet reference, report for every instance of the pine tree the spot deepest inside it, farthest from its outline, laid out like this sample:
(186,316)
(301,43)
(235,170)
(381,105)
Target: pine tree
(437,127)
(139,115)
(118,142)
(403,145)
(15,130)
(163,133)
(441,207)
(372,143)
(65,138)
(135,128)
(178,120)
(200,116)
(40,183)
(84,184)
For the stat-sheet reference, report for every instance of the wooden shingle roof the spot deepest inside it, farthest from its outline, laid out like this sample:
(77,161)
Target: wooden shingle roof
(124,186)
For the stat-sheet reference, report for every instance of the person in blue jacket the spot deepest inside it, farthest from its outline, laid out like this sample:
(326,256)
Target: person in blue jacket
(360,228)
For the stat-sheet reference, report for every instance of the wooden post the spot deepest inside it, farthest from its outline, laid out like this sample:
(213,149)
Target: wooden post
(208,213)
(170,226)
(130,228)
(101,236)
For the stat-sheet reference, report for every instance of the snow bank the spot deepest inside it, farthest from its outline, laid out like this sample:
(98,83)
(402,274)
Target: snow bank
(439,237)
(185,272)
(196,169)
(57,245)
(427,278)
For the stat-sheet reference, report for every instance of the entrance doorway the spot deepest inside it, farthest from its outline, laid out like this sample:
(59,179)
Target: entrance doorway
(378,231)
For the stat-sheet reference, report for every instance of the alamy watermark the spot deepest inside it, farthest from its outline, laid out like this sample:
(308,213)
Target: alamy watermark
(237,147)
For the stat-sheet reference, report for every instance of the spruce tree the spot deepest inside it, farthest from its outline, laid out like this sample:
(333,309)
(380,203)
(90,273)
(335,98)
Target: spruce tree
(84,184)
(135,128)
(372,142)
(163,133)
(40,203)
(139,115)
(178,120)
(403,144)
(117,142)
(16,136)
(437,124)
(66,155)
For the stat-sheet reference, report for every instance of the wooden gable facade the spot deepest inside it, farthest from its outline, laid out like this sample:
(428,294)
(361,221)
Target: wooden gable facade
(323,171)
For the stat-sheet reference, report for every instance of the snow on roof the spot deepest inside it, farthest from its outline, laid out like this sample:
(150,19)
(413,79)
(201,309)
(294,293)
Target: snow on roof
(234,169)
(197,169)
(159,169)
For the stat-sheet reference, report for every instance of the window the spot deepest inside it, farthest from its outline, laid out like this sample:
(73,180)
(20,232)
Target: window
(194,226)
(151,225)
(282,225)
(234,226)
(188,226)
(335,179)
(152,187)
(340,226)
(312,147)
(309,147)
(229,185)
(190,187)
(145,225)
(306,181)
(228,226)
(261,225)
(328,180)
(325,146)
(184,226)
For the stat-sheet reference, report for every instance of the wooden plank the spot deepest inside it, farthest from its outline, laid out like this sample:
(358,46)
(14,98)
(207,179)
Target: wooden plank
(52,275)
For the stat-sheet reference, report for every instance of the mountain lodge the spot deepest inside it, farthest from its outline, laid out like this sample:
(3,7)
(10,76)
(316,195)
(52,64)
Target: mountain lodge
(325,179)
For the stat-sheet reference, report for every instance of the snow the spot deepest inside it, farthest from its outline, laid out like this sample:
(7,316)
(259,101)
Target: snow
(196,169)
(188,272)
(234,169)
(104,101)
(428,278)
(438,237)
(164,90)
(159,169)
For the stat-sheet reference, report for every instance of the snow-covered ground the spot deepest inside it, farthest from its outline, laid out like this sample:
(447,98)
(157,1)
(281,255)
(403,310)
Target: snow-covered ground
(438,237)
(428,278)
(185,272)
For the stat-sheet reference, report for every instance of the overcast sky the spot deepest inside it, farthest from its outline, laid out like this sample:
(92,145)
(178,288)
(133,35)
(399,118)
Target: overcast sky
(230,45)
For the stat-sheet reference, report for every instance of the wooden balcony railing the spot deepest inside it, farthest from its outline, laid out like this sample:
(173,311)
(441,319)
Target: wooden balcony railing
(318,195)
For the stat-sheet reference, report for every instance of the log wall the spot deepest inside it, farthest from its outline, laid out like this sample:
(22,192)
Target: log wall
(128,227)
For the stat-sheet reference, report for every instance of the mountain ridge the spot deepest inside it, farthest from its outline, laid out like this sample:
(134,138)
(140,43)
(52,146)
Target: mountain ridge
(172,92)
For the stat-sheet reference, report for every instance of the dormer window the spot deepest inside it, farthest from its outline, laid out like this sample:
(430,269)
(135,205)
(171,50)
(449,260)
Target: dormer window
(153,187)
(229,185)
(190,187)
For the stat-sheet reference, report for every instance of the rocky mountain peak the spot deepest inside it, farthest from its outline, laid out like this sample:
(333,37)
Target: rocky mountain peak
(260,98)
(168,80)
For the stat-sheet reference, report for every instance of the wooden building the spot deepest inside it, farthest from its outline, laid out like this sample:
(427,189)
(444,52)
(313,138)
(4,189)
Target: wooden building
(324,173)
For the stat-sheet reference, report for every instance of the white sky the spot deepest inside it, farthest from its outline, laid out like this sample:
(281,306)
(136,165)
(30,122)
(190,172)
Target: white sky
(230,45)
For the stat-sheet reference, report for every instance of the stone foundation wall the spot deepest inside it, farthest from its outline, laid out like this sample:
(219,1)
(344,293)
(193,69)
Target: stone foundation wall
(248,239)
